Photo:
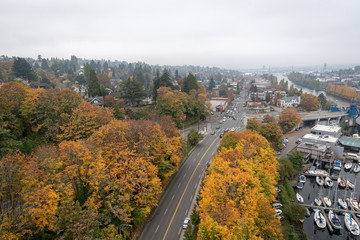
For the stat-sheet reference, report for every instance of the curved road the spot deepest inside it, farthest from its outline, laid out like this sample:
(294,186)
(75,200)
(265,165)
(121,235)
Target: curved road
(175,205)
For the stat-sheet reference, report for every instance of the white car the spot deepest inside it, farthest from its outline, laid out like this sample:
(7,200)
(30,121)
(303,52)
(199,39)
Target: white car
(186,223)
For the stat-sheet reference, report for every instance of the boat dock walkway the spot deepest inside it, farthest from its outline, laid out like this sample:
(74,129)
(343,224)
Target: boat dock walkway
(322,209)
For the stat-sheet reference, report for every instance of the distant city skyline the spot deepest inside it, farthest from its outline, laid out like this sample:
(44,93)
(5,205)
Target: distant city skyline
(226,34)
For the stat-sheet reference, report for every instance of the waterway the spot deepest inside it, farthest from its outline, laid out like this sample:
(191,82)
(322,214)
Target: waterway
(312,190)
(338,101)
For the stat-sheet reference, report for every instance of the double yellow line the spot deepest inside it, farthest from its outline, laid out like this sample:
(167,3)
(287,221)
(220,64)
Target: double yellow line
(177,207)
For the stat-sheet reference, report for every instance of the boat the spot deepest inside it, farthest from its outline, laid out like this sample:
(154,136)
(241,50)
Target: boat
(342,182)
(342,203)
(302,179)
(300,185)
(334,220)
(351,225)
(319,219)
(356,168)
(337,165)
(318,201)
(348,166)
(299,198)
(350,184)
(319,181)
(329,182)
(355,204)
(327,201)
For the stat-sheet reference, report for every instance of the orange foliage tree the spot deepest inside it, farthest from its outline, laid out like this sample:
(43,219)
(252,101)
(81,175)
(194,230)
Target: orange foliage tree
(309,102)
(236,195)
(288,119)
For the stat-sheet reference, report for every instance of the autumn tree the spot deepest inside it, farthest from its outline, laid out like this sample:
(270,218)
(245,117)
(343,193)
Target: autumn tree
(84,121)
(272,132)
(268,118)
(309,102)
(104,80)
(288,119)
(12,96)
(239,185)
(253,124)
(171,103)
(194,137)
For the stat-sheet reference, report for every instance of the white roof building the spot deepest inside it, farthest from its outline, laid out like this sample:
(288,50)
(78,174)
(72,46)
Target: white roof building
(326,130)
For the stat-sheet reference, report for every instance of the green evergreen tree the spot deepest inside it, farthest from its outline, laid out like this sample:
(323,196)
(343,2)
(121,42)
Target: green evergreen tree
(94,85)
(87,69)
(163,81)
(212,84)
(44,64)
(189,83)
(21,68)
(131,92)
(140,78)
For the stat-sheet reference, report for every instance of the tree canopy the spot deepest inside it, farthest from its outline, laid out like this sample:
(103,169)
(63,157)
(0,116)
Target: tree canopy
(21,68)
(288,119)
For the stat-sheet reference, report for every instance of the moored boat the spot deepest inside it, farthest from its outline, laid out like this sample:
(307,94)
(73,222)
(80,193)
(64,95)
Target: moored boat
(319,181)
(350,184)
(342,203)
(351,224)
(299,198)
(342,182)
(302,179)
(327,201)
(318,201)
(356,168)
(348,165)
(337,165)
(354,203)
(334,220)
(329,182)
(319,219)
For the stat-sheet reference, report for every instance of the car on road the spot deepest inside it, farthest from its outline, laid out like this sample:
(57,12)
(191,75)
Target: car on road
(186,223)
(213,133)
(217,127)
(221,135)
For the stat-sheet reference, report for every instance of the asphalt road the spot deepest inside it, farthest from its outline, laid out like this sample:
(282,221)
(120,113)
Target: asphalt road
(167,220)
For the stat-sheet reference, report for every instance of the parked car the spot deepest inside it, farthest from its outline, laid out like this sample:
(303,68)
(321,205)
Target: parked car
(186,223)
(213,133)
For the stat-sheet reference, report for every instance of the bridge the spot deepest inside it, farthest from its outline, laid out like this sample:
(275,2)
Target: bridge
(317,115)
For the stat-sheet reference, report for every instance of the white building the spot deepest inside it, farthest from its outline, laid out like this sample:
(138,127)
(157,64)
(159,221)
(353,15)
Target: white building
(289,102)
(324,130)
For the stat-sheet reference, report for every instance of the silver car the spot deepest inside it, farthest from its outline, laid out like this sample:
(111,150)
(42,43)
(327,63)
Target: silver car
(186,223)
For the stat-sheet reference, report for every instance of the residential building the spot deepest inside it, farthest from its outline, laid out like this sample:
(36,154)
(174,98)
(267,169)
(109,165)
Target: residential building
(286,102)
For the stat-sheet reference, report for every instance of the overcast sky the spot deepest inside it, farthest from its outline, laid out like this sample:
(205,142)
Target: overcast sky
(234,34)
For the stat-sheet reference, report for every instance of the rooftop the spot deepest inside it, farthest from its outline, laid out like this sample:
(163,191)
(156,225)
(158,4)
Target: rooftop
(350,141)
(312,146)
(289,99)
(326,128)
(324,138)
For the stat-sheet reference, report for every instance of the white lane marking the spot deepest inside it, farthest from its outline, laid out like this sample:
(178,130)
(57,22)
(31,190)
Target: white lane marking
(165,211)
(173,197)
(179,231)
(195,186)
(199,176)
(157,228)
(198,154)
(186,212)
(189,167)
(191,197)
(184,175)
(179,185)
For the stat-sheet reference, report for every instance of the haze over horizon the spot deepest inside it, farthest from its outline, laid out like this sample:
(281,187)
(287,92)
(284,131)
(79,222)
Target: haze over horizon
(231,34)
